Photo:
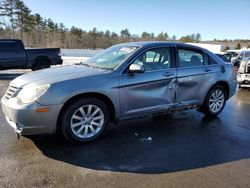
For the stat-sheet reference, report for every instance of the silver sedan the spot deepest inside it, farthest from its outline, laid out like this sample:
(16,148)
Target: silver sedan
(122,82)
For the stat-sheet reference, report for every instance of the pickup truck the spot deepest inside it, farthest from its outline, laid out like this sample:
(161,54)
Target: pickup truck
(13,55)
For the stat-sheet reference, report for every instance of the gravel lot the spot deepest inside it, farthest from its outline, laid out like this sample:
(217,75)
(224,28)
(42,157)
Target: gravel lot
(181,150)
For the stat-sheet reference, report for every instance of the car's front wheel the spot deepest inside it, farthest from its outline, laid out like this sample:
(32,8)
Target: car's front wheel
(84,120)
(215,101)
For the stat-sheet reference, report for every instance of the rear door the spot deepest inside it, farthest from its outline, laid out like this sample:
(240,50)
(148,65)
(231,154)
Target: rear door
(12,54)
(152,90)
(193,75)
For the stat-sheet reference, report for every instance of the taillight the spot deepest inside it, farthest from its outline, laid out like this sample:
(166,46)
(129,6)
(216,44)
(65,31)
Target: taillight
(235,69)
(59,53)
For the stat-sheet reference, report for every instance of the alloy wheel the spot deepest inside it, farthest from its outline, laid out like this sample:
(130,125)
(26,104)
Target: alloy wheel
(87,121)
(216,100)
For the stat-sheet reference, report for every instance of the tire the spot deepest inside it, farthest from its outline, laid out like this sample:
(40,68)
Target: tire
(215,101)
(41,64)
(84,120)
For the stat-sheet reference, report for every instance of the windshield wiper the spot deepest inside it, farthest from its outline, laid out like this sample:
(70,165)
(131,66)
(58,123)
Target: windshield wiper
(92,66)
(86,64)
(104,68)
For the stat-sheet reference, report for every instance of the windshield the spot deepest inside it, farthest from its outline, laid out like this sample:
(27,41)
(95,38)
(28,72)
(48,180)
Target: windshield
(111,57)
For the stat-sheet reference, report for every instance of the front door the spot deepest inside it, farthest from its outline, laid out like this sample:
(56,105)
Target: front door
(151,91)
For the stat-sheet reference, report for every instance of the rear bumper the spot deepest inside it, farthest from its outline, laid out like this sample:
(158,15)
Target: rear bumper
(232,88)
(24,119)
(60,62)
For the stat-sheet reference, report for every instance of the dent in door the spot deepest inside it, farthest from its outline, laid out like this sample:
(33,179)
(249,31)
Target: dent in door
(148,96)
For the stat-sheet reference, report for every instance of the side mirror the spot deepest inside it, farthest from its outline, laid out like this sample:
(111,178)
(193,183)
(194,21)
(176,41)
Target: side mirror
(136,68)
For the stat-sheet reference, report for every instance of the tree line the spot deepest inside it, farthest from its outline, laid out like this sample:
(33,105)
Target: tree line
(17,22)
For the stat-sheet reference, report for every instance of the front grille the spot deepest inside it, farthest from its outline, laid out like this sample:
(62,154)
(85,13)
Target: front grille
(11,92)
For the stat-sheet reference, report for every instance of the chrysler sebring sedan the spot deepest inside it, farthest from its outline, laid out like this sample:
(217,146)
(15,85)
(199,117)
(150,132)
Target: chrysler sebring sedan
(122,82)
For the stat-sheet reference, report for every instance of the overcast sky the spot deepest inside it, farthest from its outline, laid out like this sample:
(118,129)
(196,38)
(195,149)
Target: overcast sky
(221,19)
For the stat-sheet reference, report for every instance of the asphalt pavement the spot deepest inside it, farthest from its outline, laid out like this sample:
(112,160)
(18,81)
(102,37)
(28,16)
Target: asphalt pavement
(185,149)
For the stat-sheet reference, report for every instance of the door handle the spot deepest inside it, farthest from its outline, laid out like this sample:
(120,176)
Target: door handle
(207,70)
(168,74)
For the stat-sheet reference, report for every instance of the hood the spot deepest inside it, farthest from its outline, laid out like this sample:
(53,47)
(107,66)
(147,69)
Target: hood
(56,74)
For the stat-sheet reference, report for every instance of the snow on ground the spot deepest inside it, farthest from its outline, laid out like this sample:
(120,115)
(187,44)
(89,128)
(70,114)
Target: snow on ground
(79,52)
(73,60)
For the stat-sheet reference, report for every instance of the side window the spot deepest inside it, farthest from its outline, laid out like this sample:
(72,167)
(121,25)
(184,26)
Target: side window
(247,54)
(190,58)
(155,59)
(152,56)
(240,56)
(8,45)
(212,61)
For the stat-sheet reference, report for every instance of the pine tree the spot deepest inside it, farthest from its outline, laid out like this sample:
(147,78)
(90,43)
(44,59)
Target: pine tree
(162,36)
(174,37)
(238,46)
(25,21)
(198,37)
(2,15)
(62,31)
(7,9)
(125,33)
(38,23)
(145,36)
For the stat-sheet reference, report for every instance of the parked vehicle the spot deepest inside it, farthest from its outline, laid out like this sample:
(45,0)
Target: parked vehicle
(243,76)
(122,82)
(225,57)
(13,55)
(244,54)
(233,53)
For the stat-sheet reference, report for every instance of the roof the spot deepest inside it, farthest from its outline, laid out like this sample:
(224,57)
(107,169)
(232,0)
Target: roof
(158,43)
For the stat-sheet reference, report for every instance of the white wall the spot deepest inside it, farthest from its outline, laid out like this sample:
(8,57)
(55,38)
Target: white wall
(215,48)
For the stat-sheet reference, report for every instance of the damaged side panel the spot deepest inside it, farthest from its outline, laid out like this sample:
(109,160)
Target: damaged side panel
(193,83)
(147,92)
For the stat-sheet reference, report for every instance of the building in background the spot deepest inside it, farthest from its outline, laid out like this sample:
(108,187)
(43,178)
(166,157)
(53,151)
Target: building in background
(215,48)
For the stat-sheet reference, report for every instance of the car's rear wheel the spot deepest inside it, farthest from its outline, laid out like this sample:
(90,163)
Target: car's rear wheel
(215,101)
(41,64)
(84,120)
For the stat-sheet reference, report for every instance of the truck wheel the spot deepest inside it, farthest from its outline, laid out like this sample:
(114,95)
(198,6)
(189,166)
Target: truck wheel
(40,64)
(215,101)
(84,120)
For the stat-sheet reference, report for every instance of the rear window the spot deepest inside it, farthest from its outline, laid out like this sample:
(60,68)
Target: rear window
(8,45)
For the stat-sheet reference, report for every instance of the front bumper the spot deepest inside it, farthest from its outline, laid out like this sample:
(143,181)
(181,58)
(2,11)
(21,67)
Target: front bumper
(25,120)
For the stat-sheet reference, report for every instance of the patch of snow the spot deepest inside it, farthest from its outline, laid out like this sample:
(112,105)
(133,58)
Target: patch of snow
(147,139)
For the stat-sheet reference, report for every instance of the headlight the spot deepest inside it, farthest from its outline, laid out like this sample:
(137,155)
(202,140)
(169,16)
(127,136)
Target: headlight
(30,94)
